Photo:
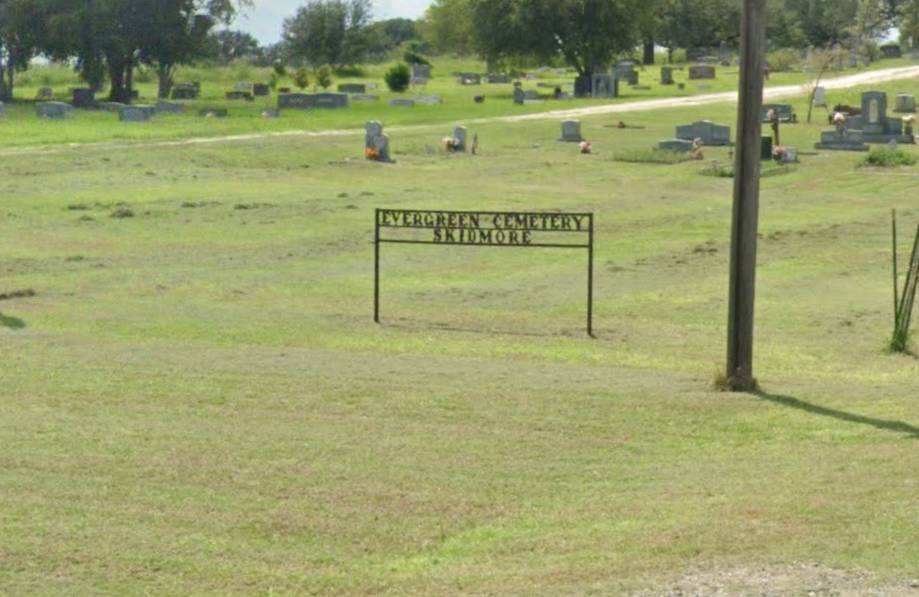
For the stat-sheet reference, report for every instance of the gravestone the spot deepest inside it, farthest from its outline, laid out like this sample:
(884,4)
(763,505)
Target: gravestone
(724,54)
(261,90)
(459,139)
(428,100)
(54,110)
(498,79)
(891,51)
(240,95)
(45,93)
(846,140)
(169,107)
(363,97)
(604,86)
(711,134)
(352,88)
(421,72)
(519,96)
(625,71)
(83,98)
(214,112)
(243,87)
(582,86)
(701,71)
(296,101)
(376,144)
(332,100)
(470,79)
(530,94)
(905,104)
(402,103)
(135,113)
(820,97)
(571,131)
(791,155)
(785,112)
(666,75)
(765,151)
(874,124)
(678,145)
(110,106)
(186,91)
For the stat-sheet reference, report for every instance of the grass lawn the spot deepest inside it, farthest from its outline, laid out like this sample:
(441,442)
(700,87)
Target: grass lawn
(196,399)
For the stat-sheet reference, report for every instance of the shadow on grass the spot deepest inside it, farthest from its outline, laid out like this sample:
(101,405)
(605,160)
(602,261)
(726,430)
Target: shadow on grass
(13,323)
(896,426)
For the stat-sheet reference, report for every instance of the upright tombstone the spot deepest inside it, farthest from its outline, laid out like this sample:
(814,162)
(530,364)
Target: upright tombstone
(820,98)
(519,96)
(724,54)
(136,113)
(711,134)
(261,90)
(874,112)
(701,72)
(421,72)
(625,71)
(376,144)
(906,103)
(784,112)
(666,75)
(459,139)
(83,98)
(604,86)
(54,110)
(186,91)
(582,86)
(571,131)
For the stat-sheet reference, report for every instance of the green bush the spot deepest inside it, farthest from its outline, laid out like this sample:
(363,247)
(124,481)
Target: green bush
(398,78)
(652,156)
(888,157)
(301,78)
(324,77)
(784,60)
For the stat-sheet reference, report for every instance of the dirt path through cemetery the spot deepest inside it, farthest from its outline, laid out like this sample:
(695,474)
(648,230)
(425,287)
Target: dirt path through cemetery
(771,93)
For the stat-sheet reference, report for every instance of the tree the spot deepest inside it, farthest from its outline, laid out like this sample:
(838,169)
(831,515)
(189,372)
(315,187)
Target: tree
(21,26)
(329,32)
(383,37)
(223,47)
(398,78)
(448,26)
(586,34)
(699,23)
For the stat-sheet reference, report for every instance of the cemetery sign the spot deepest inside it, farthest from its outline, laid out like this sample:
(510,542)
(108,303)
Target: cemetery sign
(548,230)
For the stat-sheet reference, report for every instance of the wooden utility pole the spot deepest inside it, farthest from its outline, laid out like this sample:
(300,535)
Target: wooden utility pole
(746,197)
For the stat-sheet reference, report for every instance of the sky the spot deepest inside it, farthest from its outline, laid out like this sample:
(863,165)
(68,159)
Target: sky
(265,18)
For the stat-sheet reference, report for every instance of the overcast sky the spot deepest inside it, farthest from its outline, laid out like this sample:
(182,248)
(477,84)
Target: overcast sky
(265,19)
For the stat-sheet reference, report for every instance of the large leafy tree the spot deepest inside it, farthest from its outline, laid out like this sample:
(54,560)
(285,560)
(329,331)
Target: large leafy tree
(329,32)
(586,34)
(448,26)
(21,27)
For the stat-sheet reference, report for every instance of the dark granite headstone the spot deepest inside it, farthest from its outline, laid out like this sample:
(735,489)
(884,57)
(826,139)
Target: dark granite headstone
(297,101)
(331,100)
(666,75)
(701,71)
(83,98)
(352,88)
(785,112)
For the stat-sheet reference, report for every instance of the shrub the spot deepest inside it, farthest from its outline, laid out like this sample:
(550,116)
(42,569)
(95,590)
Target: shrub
(888,157)
(413,55)
(324,77)
(784,60)
(280,69)
(652,156)
(398,78)
(301,78)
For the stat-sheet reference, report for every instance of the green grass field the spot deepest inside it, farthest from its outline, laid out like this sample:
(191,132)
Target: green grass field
(196,399)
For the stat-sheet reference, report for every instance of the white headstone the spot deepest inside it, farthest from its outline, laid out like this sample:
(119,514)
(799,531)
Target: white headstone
(820,97)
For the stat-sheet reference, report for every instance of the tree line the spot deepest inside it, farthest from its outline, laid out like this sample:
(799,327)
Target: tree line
(107,40)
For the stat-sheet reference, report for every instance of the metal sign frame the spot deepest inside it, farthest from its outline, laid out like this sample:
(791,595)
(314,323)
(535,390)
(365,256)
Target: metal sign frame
(485,229)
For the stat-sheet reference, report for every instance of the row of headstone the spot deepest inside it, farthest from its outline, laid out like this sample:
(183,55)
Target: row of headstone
(854,132)
(306,101)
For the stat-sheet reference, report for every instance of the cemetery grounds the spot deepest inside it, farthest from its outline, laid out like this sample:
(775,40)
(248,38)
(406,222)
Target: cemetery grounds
(196,400)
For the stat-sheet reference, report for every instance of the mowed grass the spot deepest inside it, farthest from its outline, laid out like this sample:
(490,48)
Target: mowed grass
(23,128)
(197,401)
